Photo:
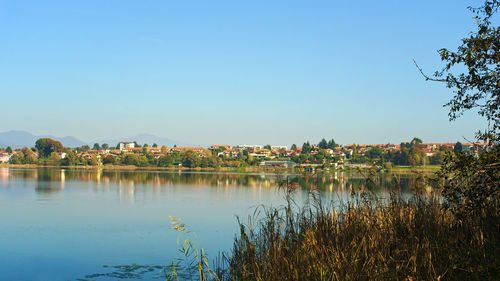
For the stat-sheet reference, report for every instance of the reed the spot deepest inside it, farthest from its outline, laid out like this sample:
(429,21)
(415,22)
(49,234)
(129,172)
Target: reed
(365,239)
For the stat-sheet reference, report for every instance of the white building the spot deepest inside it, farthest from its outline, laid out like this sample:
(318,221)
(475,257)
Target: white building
(126,145)
(4,157)
(278,147)
(249,146)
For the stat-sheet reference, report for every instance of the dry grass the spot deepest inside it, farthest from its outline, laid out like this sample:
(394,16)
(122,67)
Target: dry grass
(366,239)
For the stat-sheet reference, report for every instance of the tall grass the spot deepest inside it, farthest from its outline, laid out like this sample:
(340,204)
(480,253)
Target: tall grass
(366,239)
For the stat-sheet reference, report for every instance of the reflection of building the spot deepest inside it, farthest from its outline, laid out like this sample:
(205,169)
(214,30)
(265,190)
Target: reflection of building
(4,176)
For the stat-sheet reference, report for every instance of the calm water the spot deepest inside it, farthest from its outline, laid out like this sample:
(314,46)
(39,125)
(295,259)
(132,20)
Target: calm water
(61,224)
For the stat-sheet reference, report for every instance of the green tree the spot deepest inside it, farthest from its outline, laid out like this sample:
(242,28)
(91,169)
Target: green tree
(109,159)
(478,86)
(458,147)
(437,158)
(375,152)
(96,146)
(155,145)
(323,144)
(131,159)
(331,144)
(29,156)
(143,161)
(220,149)
(473,73)
(190,159)
(8,149)
(294,147)
(55,158)
(165,161)
(105,146)
(164,149)
(46,146)
(94,160)
(84,148)
(267,146)
(17,158)
(416,140)
(70,159)
(306,147)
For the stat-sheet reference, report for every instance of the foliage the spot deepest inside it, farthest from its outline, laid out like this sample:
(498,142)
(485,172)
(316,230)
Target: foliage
(457,147)
(375,152)
(70,159)
(472,183)
(55,158)
(131,159)
(306,148)
(478,86)
(332,144)
(46,146)
(190,159)
(109,159)
(323,144)
(410,153)
(165,161)
(437,158)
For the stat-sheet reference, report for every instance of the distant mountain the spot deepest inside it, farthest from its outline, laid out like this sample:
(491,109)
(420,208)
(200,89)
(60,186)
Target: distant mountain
(145,138)
(19,139)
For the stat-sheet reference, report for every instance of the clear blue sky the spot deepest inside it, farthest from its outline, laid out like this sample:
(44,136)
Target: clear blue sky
(277,72)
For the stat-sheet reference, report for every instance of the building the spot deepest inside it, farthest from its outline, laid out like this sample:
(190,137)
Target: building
(126,145)
(200,150)
(278,147)
(250,146)
(217,146)
(4,157)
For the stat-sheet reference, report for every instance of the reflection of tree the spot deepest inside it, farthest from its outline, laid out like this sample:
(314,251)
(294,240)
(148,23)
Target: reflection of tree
(52,179)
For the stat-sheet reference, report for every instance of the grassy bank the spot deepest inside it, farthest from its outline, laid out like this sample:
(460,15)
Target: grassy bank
(427,168)
(147,168)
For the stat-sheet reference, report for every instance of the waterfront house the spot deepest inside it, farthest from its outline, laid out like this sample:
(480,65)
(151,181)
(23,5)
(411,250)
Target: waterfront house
(5,157)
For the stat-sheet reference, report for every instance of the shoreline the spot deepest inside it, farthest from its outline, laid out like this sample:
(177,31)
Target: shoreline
(396,169)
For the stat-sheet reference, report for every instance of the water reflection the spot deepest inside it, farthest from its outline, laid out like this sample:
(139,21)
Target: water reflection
(121,216)
(52,180)
(4,176)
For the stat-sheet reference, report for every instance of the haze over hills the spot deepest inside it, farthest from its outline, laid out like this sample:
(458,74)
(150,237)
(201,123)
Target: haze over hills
(19,139)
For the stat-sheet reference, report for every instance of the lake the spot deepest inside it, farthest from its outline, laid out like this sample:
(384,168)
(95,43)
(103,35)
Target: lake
(64,224)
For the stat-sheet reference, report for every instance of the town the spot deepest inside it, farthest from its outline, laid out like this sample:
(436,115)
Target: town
(325,154)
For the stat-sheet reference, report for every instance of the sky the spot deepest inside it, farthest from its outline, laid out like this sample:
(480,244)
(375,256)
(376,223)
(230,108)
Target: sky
(235,72)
